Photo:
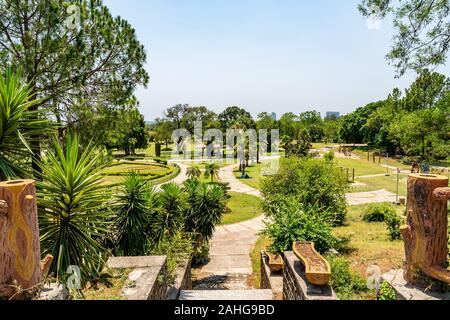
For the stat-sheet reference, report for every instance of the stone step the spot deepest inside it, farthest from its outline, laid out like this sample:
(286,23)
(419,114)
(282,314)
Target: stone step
(227,295)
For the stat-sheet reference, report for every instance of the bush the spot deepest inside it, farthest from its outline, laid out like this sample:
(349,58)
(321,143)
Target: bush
(314,182)
(378,212)
(393,224)
(387,292)
(292,222)
(347,284)
(329,156)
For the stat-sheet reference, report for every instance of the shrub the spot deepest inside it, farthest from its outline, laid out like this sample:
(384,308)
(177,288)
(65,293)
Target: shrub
(387,292)
(314,182)
(378,212)
(347,284)
(393,224)
(135,204)
(329,156)
(293,222)
(73,209)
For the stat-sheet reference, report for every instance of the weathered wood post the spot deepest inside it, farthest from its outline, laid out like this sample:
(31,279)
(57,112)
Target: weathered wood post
(426,234)
(19,237)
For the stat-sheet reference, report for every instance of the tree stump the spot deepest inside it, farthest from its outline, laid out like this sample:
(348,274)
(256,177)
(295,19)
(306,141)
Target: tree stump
(426,234)
(19,237)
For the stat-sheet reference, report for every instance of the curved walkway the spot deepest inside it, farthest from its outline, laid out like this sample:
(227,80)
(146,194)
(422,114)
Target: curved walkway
(179,179)
(226,174)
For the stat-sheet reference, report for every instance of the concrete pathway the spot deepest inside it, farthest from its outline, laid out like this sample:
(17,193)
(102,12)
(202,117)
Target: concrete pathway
(226,174)
(370,197)
(179,179)
(230,265)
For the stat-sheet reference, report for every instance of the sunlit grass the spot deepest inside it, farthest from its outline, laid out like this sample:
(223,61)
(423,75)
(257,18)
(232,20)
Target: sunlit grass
(243,207)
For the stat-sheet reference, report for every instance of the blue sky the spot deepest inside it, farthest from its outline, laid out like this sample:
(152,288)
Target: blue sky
(264,55)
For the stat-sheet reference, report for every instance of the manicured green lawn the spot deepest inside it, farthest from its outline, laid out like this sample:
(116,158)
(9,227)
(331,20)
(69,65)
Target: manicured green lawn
(243,207)
(324,145)
(256,173)
(387,183)
(362,167)
(136,167)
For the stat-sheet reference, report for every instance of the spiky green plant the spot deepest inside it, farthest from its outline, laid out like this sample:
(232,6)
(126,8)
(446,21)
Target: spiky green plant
(168,217)
(18,125)
(193,172)
(207,205)
(136,202)
(212,171)
(73,209)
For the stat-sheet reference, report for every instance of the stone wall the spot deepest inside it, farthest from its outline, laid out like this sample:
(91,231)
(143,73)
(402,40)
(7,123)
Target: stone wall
(183,281)
(295,285)
(146,281)
(271,281)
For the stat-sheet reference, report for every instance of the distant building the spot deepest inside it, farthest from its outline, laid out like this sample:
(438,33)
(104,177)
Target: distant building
(332,114)
(274,116)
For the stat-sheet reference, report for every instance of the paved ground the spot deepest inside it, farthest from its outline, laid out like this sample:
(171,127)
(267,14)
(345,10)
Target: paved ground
(247,295)
(226,174)
(230,266)
(370,197)
(182,177)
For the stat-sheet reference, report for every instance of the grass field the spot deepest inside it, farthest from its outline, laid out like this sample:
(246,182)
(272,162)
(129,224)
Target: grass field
(243,207)
(362,167)
(261,244)
(255,172)
(387,183)
(369,243)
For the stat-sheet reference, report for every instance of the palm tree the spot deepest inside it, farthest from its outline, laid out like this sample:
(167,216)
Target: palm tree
(193,172)
(18,126)
(73,209)
(212,171)
(136,202)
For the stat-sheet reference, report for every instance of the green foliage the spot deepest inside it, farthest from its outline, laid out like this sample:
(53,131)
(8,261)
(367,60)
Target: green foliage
(329,156)
(387,292)
(421,39)
(207,205)
(394,223)
(314,182)
(378,212)
(212,171)
(290,221)
(73,209)
(193,172)
(18,125)
(347,284)
(136,202)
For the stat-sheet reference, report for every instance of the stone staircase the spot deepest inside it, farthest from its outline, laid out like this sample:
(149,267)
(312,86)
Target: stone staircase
(227,295)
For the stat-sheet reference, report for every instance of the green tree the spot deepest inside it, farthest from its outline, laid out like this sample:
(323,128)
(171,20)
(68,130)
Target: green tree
(314,182)
(18,126)
(289,125)
(96,62)
(212,171)
(193,172)
(73,209)
(232,115)
(422,31)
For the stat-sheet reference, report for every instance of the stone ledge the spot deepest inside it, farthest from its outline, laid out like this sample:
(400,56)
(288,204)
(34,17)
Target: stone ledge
(145,281)
(135,262)
(269,280)
(406,291)
(295,285)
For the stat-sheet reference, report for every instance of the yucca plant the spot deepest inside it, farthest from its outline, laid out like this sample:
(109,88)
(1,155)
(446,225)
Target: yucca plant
(73,209)
(212,171)
(168,217)
(193,172)
(207,205)
(136,203)
(18,125)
